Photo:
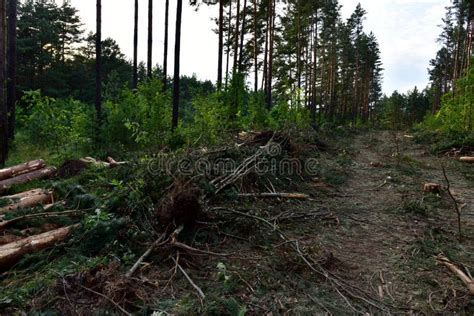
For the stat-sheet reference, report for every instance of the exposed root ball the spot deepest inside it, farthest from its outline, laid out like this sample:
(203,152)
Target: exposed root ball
(182,206)
(72,168)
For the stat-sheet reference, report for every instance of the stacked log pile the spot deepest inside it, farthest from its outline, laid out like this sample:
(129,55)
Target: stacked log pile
(23,173)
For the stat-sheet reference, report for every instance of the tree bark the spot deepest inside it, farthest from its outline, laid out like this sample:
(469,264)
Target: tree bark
(165,48)
(27,177)
(135,48)
(228,46)
(255,43)
(12,63)
(4,131)
(21,169)
(12,252)
(315,72)
(98,68)
(236,37)
(177,51)
(221,45)
(242,36)
(150,39)
(270,53)
(26,200)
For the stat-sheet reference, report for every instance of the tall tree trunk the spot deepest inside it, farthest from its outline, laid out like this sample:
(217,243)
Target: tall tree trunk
(270,53)
(221,45)
(12,63)
(242,35)
(3,105)
(265,58)
(165,54)
(177,48)
(255,44)
(150,39)
(98,67)
(236,37)
(228,45)
(315,72)
(135,48)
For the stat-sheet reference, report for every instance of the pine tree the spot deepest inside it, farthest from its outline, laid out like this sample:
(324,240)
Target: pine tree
(3,105)
(98,67)
(135,48)
(12,64)
(165,48)
(177,51)
(220,44)
(150,39)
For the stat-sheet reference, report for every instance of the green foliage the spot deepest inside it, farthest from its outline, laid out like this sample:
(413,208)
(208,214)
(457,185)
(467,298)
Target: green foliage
(209,122)
(63,125)
(138,118)
(457,110)
(452,125)
(283,115)
(256,116)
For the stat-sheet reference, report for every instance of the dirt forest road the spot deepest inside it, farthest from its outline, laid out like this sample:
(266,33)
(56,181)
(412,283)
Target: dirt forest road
(391,231)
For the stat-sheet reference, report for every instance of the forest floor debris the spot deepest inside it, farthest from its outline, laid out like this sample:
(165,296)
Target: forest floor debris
(265,242)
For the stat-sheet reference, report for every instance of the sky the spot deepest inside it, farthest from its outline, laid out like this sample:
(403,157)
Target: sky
(406,31)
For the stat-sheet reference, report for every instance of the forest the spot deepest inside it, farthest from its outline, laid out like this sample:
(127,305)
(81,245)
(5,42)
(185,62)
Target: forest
(291,183)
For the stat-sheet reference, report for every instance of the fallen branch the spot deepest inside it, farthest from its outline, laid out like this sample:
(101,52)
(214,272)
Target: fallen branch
(155,244)
(456,206)
(458,272)
(26,200)
(21,169)
(27,177)
(111,163)
(12,252)
(189,248)
(276,195)
(467,159)
(197,288)
(248,165)
(108,299)
(5,224)
(339,284)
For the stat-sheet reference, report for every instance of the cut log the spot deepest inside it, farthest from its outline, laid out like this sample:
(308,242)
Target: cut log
(12,252)
(4,224)
(458,272)
(27,177)
(276,195)
(26,200)
(111,163)
(21,169)
(467,159)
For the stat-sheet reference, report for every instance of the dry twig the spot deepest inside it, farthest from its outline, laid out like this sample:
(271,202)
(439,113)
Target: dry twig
(197,288)
(456,206)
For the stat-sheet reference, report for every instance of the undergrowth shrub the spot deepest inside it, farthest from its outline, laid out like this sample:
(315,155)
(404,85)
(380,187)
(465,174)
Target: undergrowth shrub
(63,125)
(285,116)
(209,122)
(139,118)
(453,124)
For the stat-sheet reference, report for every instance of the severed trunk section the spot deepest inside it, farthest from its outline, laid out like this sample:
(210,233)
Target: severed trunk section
(12,252)
(21,169)
(26,200)
(27,177)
